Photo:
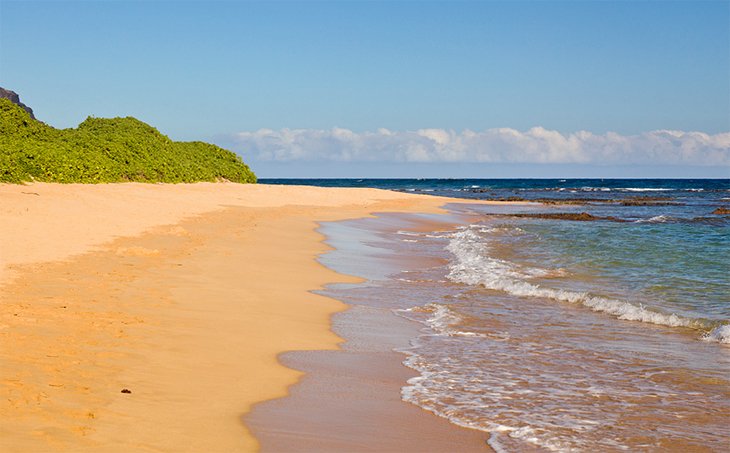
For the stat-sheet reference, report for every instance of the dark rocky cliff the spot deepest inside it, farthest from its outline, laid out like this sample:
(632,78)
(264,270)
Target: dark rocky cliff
(15,99)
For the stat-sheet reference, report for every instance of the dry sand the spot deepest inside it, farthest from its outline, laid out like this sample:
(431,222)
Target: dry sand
(182,294)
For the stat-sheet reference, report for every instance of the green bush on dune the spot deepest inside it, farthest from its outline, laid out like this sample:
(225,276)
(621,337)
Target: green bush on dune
(107,150)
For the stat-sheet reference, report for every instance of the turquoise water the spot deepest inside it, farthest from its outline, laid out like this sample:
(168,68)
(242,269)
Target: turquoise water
(680,268)
(561,335)
(670,255)
(575,336)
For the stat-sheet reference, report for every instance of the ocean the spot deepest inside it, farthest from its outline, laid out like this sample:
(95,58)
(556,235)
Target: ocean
(595,320)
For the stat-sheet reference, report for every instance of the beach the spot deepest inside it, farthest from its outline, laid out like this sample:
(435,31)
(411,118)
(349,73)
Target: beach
(138,317)
(349,227)
(592,320)
(578,315)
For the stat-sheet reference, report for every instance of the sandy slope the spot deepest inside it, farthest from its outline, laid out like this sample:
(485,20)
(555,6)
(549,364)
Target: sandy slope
(183,294)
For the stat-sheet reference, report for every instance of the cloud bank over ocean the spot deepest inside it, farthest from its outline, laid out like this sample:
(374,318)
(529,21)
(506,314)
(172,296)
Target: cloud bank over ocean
(536,146)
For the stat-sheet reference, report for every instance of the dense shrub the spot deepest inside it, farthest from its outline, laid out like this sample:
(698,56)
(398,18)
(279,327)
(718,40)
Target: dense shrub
(106,150)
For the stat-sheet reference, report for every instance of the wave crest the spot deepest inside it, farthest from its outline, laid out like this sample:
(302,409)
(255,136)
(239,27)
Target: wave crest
(720,334)
(474,266)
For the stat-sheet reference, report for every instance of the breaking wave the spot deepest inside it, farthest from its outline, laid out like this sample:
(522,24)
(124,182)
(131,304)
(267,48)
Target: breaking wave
(442,320)
(472,265)
(720,334)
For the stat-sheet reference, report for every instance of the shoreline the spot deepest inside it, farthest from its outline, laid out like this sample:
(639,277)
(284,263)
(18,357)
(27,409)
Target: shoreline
(113,295)
(350,399)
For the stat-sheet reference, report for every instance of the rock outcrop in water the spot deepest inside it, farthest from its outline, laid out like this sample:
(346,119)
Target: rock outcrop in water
(15,99)
(575,216)
(722,211)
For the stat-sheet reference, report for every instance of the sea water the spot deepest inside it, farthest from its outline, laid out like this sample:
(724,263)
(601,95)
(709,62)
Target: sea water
(604,335)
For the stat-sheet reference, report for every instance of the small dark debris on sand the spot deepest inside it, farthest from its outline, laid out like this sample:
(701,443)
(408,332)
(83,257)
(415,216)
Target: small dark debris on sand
(126,391)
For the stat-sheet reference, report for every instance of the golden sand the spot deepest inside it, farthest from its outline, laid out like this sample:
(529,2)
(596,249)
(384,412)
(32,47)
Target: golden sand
(182,295)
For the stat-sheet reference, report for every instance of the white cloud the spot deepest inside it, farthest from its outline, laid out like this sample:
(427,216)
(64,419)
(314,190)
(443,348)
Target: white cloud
(504,145)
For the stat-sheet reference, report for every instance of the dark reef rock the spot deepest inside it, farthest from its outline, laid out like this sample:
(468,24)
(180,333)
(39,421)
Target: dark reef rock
(649,201)
(15,99)
(578,217)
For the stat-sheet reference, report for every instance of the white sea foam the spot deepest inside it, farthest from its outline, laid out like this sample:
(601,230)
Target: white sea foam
(443,320)
(655,219)
(582,189)
(423,390)
(473,266)
(719,334)
(596,189)
(644,189)
(424,235)
(495,443)
(457,382)
(419,391)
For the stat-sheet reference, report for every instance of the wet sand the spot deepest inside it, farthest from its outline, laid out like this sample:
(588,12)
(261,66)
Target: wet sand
(622,365)
(349,399)
(183,295)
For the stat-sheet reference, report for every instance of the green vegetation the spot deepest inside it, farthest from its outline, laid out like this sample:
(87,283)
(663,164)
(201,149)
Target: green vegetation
(106,150)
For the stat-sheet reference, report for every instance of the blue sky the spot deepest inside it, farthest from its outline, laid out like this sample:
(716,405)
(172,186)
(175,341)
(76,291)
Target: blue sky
(217,70)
